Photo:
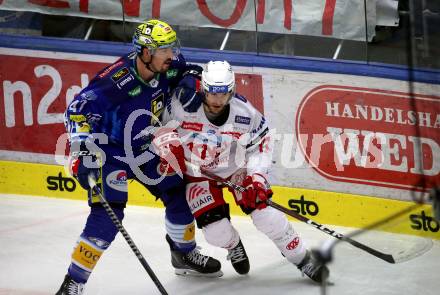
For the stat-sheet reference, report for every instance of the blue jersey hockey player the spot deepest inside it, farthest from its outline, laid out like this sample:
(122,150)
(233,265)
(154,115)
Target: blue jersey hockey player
(108,124)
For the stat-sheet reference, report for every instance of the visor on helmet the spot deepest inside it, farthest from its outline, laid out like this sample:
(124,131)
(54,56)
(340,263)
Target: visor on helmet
(164,49)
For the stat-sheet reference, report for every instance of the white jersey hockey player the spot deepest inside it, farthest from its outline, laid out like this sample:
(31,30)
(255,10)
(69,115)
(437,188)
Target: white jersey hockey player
(224,134)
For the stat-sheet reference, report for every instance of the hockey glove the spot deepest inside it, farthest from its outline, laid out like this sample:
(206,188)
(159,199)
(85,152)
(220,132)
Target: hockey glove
(257,192)
(168,146)
(188,91)
(82,163)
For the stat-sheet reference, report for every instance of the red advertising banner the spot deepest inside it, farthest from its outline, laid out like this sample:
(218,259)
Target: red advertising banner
(34,92)
(371,136)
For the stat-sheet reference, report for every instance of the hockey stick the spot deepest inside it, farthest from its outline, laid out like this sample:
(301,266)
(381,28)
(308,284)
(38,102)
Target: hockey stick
(130,242)
(384,256)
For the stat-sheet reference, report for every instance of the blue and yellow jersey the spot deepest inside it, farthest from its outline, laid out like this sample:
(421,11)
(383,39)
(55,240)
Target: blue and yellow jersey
(120,104)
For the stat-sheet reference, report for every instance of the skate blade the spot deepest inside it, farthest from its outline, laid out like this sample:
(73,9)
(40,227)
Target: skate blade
(193,273)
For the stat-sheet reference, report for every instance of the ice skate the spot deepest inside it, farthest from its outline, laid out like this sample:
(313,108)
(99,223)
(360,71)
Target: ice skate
(193,263)
(239,259)
(313,268)
(70,287)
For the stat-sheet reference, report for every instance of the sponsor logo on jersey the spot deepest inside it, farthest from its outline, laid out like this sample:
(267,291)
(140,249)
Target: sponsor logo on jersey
(135,91)
(117,180)
(198,196)
(192,126)
(371,136)
(242,120)
(124,81)
(110,68)
(157,107)
(60,183)
(304,207)
(120,74)
(424,222)
(171,73)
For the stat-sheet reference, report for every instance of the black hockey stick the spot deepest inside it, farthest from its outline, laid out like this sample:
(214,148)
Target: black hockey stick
(384,256)
(130,242)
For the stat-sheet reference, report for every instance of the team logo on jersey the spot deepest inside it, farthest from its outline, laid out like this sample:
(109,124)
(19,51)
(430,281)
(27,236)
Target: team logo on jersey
(117,180)
(242,120)
(135,91)
(198,196)
(157,107)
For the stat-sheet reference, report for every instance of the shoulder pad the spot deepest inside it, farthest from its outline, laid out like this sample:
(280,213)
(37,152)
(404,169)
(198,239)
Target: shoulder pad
(116,77)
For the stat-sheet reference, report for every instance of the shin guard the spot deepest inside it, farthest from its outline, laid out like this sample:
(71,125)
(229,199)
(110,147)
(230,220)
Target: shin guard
(276,227)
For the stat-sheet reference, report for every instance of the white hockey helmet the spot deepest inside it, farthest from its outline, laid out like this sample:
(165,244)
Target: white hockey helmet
(218,77)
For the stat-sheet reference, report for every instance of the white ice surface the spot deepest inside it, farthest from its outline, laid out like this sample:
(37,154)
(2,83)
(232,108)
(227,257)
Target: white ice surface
(37,236)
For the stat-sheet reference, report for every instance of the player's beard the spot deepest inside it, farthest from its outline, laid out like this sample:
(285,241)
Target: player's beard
(213,113)
(165,65)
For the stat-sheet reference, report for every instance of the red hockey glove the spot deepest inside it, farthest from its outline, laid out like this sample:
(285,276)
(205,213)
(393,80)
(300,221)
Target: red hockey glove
(257,192)
(168,146)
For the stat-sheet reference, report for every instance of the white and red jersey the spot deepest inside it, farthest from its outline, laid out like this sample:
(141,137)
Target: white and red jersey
(241,142)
